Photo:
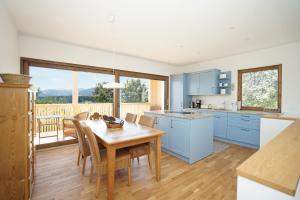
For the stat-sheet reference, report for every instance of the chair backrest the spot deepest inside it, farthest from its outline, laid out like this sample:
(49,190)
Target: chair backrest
(82,116)
(95,116)
(146,121)
(130,117)
(84,148)
(93,144)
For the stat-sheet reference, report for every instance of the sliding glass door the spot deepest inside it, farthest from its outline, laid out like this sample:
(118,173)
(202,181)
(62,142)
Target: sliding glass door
(64,93)
(140,95)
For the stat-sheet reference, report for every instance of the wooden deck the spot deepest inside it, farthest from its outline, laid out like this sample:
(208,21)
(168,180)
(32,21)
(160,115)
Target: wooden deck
(214,177)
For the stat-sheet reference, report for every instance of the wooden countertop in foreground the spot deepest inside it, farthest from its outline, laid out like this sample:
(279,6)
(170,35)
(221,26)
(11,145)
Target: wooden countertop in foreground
(277,164)
(281,116)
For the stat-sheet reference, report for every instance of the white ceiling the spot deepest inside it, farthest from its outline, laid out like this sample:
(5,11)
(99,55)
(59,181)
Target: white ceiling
(178,32)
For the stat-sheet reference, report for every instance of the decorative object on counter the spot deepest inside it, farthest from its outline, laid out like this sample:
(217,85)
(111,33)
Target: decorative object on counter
(224,83)
(15,78)
(234,106)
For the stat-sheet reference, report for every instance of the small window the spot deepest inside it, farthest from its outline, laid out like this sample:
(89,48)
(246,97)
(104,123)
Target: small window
(260,88)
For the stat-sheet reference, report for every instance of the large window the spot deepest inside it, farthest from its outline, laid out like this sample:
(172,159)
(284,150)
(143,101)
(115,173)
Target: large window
(260,88)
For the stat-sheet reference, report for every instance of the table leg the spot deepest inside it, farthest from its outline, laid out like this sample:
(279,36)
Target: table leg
(157,157)
(111,158)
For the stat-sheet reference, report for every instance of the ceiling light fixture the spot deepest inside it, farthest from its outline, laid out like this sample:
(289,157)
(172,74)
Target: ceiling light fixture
(113,84)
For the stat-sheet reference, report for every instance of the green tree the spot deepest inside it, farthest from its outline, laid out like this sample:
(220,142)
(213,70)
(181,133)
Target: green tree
(103,95)
(134,91)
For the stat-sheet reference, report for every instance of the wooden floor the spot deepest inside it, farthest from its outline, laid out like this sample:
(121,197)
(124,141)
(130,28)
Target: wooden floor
(214,177)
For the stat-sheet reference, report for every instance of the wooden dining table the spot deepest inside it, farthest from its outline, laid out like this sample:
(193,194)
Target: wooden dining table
(131,134)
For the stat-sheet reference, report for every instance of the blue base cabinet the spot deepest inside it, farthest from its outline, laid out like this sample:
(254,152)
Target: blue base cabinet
(220,124)
(163,123)
(239,128)
(189,140)
(178,136)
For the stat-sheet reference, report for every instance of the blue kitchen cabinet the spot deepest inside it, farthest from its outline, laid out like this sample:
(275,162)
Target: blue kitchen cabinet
(178,92)
(164,124)
(187,139)
(179,136)
(203,83)
(220,124)
(193,83)
(209,82)
(244,128)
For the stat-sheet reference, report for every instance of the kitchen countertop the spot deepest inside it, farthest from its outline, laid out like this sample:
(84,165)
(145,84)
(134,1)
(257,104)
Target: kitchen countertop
(179,115)
(277,164)
(281,116)
(231,111)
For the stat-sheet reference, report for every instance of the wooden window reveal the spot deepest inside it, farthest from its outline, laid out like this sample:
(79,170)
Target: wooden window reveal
(260,88)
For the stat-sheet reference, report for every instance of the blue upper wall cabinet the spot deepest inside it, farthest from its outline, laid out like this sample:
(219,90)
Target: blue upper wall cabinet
(178,92)
(203,83)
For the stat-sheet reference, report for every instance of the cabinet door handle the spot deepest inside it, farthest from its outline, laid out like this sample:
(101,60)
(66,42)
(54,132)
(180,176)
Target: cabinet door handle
(247,116)
(244,129)
(171,123)
(246,120)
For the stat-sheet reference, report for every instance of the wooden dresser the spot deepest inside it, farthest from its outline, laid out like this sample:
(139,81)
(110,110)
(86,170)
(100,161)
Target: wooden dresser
(17,150)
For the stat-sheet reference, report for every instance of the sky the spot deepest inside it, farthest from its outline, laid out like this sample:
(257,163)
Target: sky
(45,78)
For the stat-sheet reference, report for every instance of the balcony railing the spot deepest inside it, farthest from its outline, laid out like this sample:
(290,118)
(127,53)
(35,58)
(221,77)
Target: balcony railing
(69,110)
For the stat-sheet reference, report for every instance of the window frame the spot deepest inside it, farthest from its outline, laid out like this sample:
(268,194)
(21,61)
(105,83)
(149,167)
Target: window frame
(26,62)
(257,69)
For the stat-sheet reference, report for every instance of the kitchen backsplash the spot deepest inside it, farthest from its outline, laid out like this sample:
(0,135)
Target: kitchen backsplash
(217,101)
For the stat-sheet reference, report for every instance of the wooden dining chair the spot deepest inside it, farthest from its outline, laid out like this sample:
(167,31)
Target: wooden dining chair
(130,117)
(95,116)
(84,150)
(99,160)
(145,148)
(68,126)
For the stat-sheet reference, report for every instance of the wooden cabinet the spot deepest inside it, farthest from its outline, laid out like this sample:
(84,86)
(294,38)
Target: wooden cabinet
(220,124)
(17,151)
(178,97)
(203,83)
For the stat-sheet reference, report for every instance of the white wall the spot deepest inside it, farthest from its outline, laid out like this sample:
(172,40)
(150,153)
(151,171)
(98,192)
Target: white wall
(57,51)
(288,55)
(9,50)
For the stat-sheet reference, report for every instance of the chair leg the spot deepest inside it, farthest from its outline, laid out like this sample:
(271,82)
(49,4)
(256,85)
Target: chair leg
(83,166)
(149,161)
(138,159)
(78,159)
(98,185)
(129,172)
(92,171)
